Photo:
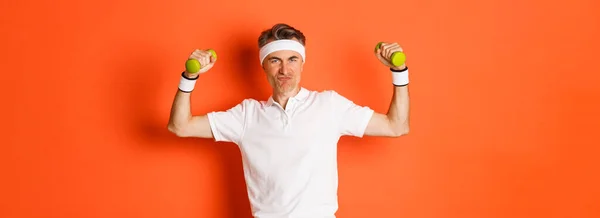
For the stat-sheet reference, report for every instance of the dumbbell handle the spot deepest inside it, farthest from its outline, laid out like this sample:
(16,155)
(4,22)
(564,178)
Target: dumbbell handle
(397,58)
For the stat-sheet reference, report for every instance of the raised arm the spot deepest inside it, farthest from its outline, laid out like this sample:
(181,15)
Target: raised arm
(396,121)
(181,121)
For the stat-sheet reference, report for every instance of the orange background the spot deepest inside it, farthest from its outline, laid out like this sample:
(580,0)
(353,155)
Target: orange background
(504,108)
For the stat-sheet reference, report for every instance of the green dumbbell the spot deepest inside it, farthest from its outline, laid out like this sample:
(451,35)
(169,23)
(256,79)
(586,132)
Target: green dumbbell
(193,65)
(398,58)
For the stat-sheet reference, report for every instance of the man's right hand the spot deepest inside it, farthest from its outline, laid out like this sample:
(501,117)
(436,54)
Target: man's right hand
(207,61)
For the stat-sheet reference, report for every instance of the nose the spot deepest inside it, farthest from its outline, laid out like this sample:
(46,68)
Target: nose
(283,69)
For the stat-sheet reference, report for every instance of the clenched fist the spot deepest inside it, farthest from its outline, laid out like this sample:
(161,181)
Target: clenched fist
(384,54)
(206,58)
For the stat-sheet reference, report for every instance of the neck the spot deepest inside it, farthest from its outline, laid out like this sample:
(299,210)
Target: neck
(283,97)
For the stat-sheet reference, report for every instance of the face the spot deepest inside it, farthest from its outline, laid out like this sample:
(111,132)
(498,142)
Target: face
(283,69)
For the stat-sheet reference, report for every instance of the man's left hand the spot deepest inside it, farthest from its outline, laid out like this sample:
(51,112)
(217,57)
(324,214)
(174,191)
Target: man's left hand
(384,54)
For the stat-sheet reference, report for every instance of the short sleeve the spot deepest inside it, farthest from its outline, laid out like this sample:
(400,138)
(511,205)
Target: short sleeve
(352,118)
(228,126)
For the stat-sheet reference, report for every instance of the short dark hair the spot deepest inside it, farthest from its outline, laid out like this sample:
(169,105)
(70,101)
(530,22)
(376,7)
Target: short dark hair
(280,31)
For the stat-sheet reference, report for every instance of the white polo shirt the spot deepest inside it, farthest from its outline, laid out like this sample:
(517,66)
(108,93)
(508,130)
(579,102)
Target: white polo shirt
(290,156)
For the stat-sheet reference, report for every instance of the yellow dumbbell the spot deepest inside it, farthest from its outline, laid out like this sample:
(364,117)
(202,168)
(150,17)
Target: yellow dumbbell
(397,58)
(193,65)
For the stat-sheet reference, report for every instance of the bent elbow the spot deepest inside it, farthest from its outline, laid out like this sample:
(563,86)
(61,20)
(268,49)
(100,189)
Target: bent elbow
(401,131)
(173,129)
(177,130)
(405,131)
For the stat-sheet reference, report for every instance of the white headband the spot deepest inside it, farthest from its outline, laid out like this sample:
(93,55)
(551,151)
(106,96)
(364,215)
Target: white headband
(282,44)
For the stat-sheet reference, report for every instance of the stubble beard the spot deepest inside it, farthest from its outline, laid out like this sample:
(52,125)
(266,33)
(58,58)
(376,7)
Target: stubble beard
(285,87)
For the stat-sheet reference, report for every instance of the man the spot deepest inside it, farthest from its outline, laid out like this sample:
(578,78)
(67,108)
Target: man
(289,142)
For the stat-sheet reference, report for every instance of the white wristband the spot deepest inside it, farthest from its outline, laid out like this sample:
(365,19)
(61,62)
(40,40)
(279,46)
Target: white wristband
(400,78)
(187,84)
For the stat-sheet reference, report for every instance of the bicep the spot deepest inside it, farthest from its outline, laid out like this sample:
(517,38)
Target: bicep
(221,125)
(379,125)
(199,126)
(196,126)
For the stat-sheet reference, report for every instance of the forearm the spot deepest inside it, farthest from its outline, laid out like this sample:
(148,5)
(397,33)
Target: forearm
(180,118)
(181,121)
(398,112)
(395,122)
(180,111)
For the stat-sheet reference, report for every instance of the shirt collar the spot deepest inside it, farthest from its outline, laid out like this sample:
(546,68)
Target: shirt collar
(300,97)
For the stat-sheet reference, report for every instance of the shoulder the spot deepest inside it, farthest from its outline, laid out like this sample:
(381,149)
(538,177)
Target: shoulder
(251,103)
(244,105)
(326,93)
(329,96)
(333,96)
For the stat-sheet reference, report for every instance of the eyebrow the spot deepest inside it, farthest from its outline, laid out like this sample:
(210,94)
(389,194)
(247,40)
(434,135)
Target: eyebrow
(292,57)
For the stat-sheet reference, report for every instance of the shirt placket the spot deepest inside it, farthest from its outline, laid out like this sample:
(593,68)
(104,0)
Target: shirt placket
(287,114)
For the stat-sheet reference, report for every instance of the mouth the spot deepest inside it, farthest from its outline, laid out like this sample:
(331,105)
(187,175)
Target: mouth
(284,79)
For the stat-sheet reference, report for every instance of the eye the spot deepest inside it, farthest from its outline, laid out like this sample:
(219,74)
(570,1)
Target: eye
(274,61)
